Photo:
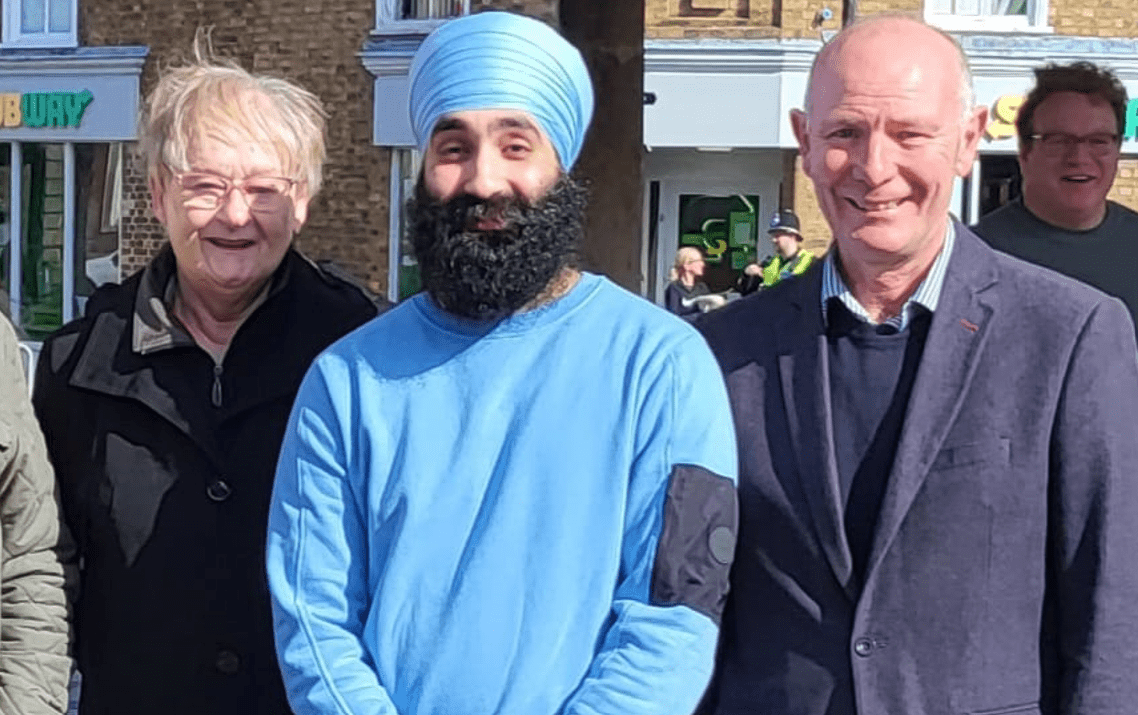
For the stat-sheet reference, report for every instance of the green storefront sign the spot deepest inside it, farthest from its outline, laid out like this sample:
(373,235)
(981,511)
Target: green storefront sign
(43,109)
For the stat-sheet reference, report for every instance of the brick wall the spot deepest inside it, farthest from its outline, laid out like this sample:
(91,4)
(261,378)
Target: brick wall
(801,18)
(734,19)
(311,42)
(1125,188)
(866,8)
(142,235)
(544,10)
(711,18)
(1094,18)
(815,230)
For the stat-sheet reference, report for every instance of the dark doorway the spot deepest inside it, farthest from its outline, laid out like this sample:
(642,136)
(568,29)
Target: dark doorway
(999,181)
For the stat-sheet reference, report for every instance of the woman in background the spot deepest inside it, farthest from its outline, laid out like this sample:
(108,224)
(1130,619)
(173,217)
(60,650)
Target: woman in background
(684,283)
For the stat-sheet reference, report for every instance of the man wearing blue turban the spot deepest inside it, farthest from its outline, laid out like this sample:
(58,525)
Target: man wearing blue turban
(513,494)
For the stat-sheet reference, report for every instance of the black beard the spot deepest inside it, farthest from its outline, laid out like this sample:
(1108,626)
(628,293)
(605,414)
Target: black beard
(485,275)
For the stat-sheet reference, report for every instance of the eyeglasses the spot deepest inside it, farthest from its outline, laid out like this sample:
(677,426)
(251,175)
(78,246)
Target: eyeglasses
(1059,143)
(262,194)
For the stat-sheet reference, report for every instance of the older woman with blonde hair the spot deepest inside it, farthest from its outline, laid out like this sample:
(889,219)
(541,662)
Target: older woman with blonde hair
(165,405)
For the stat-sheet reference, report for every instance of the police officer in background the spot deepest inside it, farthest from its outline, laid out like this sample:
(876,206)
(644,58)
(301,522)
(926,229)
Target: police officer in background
(790,259)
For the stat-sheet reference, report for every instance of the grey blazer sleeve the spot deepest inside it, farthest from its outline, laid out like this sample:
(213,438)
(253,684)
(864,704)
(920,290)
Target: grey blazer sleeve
(34,635)
(1091,608)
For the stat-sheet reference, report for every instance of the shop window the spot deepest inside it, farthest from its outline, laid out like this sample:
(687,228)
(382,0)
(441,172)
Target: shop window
(416,15)
(41,212)
(98,214)
(724,228)
(988,15)
(40,23)
(403,270)
(1000,181)
(59,229)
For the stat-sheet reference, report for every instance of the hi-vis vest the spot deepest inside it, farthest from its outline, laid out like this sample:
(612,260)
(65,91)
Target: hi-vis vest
(780,268)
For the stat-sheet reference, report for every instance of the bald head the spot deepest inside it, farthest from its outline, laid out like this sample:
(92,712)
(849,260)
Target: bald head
(888,33)
(889,126)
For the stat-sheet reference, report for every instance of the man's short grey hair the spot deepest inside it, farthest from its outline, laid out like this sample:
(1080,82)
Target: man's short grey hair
(218,98)
(966,91)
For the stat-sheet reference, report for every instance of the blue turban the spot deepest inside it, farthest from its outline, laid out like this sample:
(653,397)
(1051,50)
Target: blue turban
(499,60)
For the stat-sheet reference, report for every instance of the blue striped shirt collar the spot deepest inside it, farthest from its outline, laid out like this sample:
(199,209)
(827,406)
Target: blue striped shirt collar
(926,296)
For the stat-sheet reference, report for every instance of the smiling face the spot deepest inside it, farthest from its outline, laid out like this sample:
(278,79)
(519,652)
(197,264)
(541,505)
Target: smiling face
(229,249)
(695,267)
(1069,188)
(494,220)
(884,140)
(490,154)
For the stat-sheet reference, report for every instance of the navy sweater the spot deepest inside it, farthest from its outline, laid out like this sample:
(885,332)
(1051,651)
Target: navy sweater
(872,369)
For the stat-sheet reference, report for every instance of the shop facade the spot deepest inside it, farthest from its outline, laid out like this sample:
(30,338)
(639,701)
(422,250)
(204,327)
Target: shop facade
(719,150)
(716,118)
(65,113)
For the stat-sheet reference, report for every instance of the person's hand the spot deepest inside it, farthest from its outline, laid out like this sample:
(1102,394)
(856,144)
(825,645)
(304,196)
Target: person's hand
(712,301)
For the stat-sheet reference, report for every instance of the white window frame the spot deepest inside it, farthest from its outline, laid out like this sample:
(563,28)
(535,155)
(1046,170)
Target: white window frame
(388,22)
(71,305)
(13,36)
(1034,21)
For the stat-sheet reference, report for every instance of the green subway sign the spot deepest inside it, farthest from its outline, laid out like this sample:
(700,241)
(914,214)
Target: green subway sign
(1131,120)
(43,110)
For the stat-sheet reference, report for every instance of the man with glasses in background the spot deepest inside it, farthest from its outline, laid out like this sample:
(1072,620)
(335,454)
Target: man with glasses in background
(1070,136)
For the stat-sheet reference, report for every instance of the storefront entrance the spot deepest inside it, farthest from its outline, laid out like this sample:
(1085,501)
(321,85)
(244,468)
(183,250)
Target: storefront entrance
(59,229)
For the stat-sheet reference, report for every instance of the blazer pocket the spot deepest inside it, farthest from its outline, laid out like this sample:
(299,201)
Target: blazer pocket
(991,452)
(1022,709)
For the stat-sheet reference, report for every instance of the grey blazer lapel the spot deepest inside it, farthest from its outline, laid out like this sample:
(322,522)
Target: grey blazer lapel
(805,383)
(956,339)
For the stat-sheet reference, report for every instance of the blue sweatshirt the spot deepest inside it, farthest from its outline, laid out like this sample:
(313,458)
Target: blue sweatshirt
(533,517)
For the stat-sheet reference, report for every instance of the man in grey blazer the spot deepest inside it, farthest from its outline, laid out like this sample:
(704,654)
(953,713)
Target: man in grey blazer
(938,443)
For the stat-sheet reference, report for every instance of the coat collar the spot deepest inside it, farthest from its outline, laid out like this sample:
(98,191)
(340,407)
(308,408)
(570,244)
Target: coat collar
(154,327)
(131,346)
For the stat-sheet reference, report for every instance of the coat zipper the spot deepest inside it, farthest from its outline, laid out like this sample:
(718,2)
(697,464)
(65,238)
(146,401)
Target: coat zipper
(216,397)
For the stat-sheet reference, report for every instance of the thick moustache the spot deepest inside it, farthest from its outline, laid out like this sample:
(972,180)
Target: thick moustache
(489,224)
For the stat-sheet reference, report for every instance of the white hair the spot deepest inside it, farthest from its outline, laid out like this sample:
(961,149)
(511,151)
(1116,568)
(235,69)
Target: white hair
(211,97)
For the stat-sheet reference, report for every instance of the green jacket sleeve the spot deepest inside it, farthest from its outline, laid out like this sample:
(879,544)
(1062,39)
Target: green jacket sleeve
(35,558)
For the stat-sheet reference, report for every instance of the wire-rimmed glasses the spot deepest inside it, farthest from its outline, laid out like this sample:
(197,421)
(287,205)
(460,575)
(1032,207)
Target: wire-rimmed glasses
(207,191)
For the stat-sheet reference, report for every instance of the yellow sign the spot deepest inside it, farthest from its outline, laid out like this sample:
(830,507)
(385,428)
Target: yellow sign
(1002,122)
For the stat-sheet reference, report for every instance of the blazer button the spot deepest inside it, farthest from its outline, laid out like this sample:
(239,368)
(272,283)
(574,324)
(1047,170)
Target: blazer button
(863,647)
(219,491)
(227,662)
